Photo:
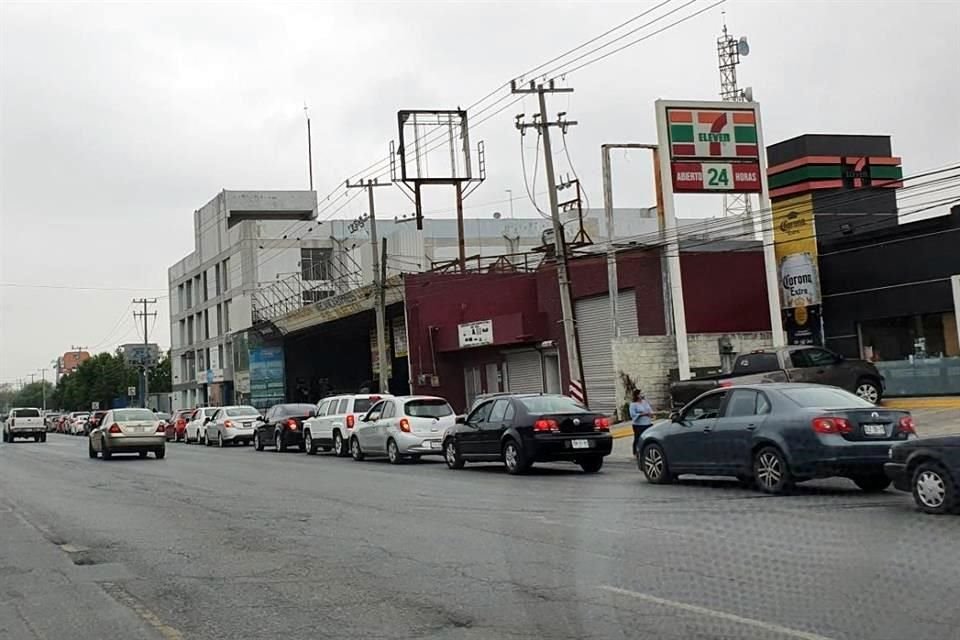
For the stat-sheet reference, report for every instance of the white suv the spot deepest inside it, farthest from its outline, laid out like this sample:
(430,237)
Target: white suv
(333,425)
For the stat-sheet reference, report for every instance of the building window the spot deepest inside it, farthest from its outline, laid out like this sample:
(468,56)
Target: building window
(931,335)
(216,273)
(226,274)
(183,332)
(201,362)
(219,319)
(206,324)
(180,306)
(314,263)
(226,316)
(220,360)
(189,284)
(206,289)
(190,330)
(209,362)
(314,295)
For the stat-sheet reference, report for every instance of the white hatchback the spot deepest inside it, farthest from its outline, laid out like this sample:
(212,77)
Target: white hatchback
(405,427)
(336,417)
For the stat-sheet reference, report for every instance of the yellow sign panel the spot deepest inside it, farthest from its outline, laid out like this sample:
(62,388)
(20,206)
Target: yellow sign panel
(795,245)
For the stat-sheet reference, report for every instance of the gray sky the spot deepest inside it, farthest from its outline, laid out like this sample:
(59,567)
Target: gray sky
(118,120)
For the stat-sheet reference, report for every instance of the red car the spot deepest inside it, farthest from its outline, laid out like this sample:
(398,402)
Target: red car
(179,422)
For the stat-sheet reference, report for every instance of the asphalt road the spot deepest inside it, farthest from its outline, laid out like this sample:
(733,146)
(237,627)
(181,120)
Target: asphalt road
(235,544)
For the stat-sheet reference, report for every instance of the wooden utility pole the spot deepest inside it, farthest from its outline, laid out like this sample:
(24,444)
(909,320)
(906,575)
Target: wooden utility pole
(543,124)
(146,343)
(378,281)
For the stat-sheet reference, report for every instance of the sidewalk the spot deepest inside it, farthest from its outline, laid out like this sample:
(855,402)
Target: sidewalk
(930,422)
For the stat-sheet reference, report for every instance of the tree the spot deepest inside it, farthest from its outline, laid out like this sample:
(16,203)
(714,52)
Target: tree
(160,376)
(31,395)
(102,379)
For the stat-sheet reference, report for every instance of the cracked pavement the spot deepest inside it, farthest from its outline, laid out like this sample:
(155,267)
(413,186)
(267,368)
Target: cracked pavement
(229,543)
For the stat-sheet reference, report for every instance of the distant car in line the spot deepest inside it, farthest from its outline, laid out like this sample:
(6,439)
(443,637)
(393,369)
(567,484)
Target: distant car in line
(78,423)
(402,428)
(24,422)
(50,420)
(929,468)
(194,422)
(334,421)
(282,427)
(93,421)
(522,429)
(231,425)
(775,435)
(789,364)
(128,431)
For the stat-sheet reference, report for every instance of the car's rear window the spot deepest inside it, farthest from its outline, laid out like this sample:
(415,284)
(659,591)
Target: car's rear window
(299,409)
(552,404)
(428,408)
(129,415)
(825,398)
(26,413)
(234,412)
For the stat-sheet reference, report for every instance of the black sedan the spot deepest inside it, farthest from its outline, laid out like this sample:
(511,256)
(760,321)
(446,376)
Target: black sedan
(929,468)
(775,435)
(520,429)
(282,427)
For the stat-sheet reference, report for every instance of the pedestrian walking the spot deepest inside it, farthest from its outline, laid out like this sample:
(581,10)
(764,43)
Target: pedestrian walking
(641,415)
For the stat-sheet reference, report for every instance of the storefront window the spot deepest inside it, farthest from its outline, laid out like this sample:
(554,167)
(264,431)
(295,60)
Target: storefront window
(917,355)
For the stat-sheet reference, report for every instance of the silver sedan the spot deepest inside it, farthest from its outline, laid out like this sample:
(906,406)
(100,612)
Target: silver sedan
(128,431)
(235,424)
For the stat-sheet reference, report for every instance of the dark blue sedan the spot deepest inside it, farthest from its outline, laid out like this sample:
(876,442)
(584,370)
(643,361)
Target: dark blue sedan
(775,435)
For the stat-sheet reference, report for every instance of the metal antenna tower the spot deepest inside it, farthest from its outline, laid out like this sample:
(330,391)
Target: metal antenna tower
(729,52)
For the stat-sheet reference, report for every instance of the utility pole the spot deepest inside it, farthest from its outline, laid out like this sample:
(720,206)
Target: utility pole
(543,124)
(146,345)
(43,387)
(378,280)
(33,377)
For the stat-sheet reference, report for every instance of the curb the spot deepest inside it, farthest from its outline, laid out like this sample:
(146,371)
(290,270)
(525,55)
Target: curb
(944,402)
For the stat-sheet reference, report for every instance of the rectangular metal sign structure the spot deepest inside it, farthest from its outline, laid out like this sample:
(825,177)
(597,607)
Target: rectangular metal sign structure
(714,149)
(475,334)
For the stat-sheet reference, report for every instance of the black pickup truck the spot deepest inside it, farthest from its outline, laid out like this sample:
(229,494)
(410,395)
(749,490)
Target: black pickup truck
(789,364)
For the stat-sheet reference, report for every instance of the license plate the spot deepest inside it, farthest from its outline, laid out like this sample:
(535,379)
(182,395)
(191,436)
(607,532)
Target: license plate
(580,444)
(433,445)
(874,430)
(247,425)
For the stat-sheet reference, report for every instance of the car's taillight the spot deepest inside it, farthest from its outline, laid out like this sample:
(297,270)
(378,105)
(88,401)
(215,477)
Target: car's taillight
(404,425)
(161,428)
(832,425)
(726,383)
(228,424)
(546,425)
(292,424)
(601,424)
(115,428)
(907,425)
(350,421)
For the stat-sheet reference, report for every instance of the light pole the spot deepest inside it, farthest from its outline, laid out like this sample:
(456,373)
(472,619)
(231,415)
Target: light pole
(510,194)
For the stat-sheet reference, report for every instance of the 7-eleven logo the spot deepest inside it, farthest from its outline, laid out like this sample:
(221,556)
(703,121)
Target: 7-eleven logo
(712,133)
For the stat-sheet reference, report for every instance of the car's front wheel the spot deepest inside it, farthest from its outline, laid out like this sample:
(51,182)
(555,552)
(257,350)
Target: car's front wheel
(872,483)
(257,442)
(309,446)
(451,455)
(393,453)
(591,464)
(220,439)
(653,463)
(339,446)
(355,449)
(514,459)
(934,489)
(771,472)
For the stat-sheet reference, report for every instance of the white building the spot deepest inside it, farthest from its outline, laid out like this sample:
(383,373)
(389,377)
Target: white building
(241,241)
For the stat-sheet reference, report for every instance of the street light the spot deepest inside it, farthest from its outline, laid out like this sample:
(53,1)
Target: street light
(510,194)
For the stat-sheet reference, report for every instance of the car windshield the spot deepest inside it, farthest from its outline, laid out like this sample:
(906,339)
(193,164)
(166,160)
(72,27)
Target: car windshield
(132,415)
(825,398)
(235,412)
(27,413)
(362,405)
(428,408)
(552,404)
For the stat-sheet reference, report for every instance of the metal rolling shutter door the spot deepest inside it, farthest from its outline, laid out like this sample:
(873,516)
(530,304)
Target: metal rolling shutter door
(595,333)
(524,372)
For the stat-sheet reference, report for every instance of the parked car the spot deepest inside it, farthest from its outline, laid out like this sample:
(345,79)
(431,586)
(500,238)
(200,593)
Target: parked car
(50,420)
(231,425)
(194,422)
(789,364)
(282,427)
(24,422)
(334,421)
(78,423)
(521,429)
(402,428)
(93,421)
(63,423)
(178,420)
(929,468)
(775,435)
(128,431)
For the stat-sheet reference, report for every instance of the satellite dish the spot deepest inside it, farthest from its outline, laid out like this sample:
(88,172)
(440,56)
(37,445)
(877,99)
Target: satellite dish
(496,215)
(743,48)
(748,94)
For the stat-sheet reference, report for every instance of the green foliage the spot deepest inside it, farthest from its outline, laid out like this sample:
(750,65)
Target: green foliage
(100,379)
(160,376)
(31,395)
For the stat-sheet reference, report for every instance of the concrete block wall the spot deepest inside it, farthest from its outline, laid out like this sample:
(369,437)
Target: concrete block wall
(644,362)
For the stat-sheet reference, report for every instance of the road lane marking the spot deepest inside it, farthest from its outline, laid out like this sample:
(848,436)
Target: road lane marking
(124,597)
(723,615)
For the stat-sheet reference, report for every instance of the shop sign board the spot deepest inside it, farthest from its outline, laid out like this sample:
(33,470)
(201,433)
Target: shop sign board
(267,380)
(475,334)
(795,247)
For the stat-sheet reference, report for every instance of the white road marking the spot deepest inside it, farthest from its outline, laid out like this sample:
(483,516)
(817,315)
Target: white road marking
(723,615)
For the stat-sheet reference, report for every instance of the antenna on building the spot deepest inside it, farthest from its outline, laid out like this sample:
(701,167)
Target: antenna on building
(729,52)
(306,113)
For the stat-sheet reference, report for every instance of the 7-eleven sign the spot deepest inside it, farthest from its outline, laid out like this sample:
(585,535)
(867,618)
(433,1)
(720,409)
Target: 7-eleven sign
(727,134)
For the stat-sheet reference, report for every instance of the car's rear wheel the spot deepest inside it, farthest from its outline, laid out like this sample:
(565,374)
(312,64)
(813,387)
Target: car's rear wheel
(355,449)
(279,444)
(105,453)
(872,483)
(393,452)
(869,390)
(309,446)
(653,463)
(591,464)
(90,450)
(160,453)
(514,459)
(220,439)
(934,490)
(339,446)
(771,472)
(451,455)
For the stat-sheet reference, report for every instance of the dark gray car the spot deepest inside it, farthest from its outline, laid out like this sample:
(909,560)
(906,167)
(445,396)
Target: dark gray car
(775,435)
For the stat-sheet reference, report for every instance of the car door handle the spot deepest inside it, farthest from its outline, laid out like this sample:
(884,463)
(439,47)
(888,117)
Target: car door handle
(707,429)
(751,427)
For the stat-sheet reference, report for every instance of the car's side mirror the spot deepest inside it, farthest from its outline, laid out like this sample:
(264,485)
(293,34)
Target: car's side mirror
(371,417)
(207,419)
(461,419)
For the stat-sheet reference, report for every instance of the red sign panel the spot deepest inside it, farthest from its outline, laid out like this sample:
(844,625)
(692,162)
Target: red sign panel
(730,177)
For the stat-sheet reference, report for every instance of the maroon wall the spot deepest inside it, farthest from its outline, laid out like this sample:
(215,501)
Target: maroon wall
(724,292)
